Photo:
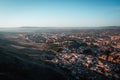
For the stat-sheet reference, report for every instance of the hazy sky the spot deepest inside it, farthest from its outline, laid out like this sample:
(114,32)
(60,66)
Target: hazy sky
(59,13)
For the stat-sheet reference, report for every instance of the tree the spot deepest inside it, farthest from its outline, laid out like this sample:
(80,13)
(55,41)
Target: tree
(107,52)
(87,51)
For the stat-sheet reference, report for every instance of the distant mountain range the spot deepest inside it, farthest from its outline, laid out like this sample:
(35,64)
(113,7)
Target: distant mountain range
(102,27)
(34,28)
(111,27)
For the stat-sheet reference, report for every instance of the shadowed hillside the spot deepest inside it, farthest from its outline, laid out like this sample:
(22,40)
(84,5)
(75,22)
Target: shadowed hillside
(14,67)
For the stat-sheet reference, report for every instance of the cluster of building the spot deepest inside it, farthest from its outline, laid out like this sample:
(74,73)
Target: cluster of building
(79,66)
(81,53)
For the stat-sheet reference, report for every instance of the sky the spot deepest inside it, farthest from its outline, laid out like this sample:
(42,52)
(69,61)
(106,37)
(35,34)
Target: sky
(59,13)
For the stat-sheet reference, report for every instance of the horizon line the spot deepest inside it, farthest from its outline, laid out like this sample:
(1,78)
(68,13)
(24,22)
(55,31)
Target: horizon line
(58,26)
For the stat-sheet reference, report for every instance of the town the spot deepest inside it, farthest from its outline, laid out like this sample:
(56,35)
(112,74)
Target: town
(94,53)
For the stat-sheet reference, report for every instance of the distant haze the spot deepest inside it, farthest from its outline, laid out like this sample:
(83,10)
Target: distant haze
(59,13)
